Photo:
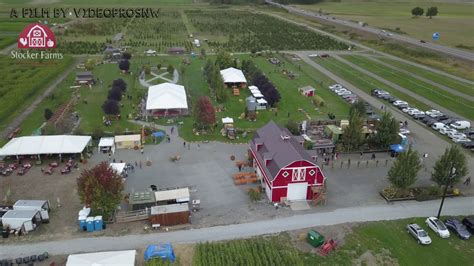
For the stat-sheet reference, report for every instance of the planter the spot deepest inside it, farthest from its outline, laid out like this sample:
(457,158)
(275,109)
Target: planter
(396,199)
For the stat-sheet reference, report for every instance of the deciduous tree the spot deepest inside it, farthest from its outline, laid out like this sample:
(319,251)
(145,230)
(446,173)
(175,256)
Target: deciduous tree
(100,188)
(204,112)
(417,11)
(359,107)
(170,69)
(224,60)
(115,93)
(124,65)
(403,172)
(432,11)
(111,107)
(120,83)
(127,55)
(452,157)
(48,113)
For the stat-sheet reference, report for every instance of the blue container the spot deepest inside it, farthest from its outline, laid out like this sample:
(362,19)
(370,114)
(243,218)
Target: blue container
(90,224)
(82,223)
(98,223)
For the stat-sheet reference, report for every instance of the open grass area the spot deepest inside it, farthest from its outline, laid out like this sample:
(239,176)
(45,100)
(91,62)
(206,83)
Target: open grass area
(437,95)
(453,22)
(23,81)
(441,79)
(365,82)
(372,243)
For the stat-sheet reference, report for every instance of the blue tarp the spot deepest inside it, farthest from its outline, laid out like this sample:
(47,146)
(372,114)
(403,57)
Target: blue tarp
(396,148)
(158,134)
(163,251)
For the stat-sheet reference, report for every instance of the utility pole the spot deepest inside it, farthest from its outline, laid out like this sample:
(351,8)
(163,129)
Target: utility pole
(448,182)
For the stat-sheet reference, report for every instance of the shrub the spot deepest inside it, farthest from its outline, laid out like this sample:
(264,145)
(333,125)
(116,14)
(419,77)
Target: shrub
(293,127)
(48,114)
(319,101)
(254,194)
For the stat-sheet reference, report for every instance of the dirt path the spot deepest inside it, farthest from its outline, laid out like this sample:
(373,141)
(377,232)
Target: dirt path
(19,119)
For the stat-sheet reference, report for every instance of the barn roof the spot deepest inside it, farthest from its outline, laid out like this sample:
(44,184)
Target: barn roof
(283,147)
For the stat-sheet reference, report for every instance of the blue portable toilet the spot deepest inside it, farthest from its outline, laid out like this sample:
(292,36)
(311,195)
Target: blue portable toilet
(82,223)
(98,223)
(90,224)
(162,251)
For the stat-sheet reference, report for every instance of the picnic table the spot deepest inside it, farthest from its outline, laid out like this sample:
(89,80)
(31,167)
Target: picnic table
(49,171)
(66,170)
(54,164)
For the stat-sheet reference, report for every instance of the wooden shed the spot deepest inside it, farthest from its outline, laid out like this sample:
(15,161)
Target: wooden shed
(168,215)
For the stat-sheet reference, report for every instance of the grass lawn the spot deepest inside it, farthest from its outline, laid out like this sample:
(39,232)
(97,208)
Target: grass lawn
(453,22)
(365,82)
(446,99)
(441,79)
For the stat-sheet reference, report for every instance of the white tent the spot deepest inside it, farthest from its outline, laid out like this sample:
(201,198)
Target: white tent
(261,104)
(119,167)
(36,145)
(166,96)
(253,87)
(257,95)
(227,120)
(109,258)
(233,75)
(107,143)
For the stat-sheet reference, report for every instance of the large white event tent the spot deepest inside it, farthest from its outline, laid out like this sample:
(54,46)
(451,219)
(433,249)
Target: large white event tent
(109,258)
(233,75)
(38,145)
(167,97)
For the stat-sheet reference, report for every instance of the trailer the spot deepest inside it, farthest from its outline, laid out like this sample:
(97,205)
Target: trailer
(43,206)
(25,220)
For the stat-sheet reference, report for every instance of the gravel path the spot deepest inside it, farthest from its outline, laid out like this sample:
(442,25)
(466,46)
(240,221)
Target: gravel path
(456,206)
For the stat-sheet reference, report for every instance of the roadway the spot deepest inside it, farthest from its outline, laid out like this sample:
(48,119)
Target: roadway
(461,54)
(452,206)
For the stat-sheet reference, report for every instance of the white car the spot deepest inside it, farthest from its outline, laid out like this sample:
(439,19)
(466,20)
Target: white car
(457,135)
(416,112)
(432,111)
(408,109)
(346,92)
(404,131)
(461,139)
(313,55)
(419,234)
(437,126)
(437,226)
(447,130)
(339,90)
(398,102)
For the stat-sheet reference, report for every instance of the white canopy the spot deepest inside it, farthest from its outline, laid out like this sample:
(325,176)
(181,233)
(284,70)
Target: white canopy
(261,101)
(253,87)
(166,96)
(119,167)
(106,142)
(112,258)
(35,145)
(180,195)
(233,75)
(227,120)
(258,95)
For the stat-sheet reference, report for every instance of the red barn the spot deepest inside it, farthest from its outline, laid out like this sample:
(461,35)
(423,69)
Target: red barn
(286,170)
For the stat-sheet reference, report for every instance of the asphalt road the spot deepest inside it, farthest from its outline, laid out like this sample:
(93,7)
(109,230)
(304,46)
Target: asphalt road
(456,206)
(465,55)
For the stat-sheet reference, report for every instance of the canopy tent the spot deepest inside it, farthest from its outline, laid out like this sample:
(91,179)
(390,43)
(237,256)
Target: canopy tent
(163,251)
(227,120)
(119,167)
(158,134)
(233,75)
(167,96)
(396,148)
(37,145)
(257,95)
(261,104)
(107,144)
(112,258)
(253,87)
(179,195)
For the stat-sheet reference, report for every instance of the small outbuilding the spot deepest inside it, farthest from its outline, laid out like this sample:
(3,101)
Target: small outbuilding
(141,200)
(169,215)
(307,91)
(233,77)
(107,145)
(109,258)
(262,104)
(128,141)
(171,196)
(166,99)
(176,50)
(85,78)
(25,220)
(34,205)
(251,103)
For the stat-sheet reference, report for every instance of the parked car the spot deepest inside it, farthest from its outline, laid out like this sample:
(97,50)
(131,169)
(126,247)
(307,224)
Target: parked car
(336,86)
(461,124)
(422,41)
(398,102)
(437,126)
(461,139)
(344,93)
(468,144)
(456,135)
(340,90)
(468,222)
(419,116)
(431,122)
(437,226)
(401,106)
(419,234)
(392,99)
(446,130)
(457,227)
(385,96)
(408,109)
(416,112)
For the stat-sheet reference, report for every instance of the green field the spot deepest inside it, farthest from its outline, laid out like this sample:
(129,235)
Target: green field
(365,82)
(441,79)
(372,243)
(103,2)
(453,22)
(437,95)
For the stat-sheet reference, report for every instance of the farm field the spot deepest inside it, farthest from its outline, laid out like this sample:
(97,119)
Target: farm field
(103,2)
(443,80)
(453,22)
(437,95)
(373,243)
(365,82)
(23,82)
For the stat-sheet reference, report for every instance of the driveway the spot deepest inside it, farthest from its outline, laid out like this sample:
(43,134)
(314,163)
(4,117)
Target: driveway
(456,206)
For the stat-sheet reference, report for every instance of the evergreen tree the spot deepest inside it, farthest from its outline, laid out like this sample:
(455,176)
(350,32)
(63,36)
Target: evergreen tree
(387,131)
(353,137)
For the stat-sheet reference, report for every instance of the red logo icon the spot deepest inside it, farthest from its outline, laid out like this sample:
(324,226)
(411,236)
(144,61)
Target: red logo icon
(36,36)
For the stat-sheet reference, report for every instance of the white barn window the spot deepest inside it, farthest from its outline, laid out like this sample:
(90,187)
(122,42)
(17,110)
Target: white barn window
(299,174)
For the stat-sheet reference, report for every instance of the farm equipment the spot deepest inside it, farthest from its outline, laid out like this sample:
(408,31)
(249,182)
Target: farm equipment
(328,247)
(229,130)
(314,238)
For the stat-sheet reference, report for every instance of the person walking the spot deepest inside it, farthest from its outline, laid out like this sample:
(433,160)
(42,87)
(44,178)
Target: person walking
(468,181)
(361,155)
(142,151)
(240,167)
(172,129)
(136,164)
(184,144)
(373,156)
(110,157)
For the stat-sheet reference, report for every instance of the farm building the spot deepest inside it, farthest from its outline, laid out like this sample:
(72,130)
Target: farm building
(85,78)
(42,206)
(286,170)
(142,199)
(39,145)
(166,99)
(108,258)
(168,215)
(172,196)
(26,220)
(128,141)
(307,91)
(106,145)
(233,77)
(176,50)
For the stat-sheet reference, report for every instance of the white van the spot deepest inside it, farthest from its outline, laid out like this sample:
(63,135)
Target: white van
(461,125)
(438,126)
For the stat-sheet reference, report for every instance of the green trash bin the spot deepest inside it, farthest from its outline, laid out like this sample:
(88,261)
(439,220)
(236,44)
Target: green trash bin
(314,238)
